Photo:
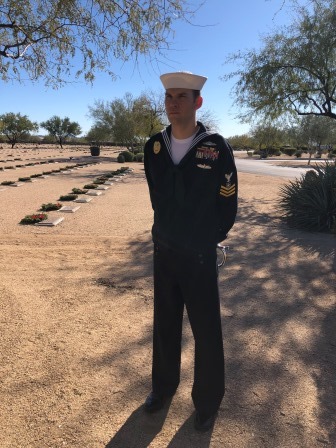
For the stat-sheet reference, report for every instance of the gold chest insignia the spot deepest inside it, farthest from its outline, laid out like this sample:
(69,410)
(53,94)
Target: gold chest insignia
(157,147)
(204,166)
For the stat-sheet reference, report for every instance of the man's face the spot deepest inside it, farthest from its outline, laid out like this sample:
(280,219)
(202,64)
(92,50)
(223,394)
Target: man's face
(181,105)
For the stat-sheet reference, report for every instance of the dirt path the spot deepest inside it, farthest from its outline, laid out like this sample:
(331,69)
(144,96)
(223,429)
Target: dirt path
(76,316)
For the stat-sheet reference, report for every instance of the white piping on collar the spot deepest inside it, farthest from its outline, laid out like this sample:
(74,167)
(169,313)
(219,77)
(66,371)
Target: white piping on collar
(197,139)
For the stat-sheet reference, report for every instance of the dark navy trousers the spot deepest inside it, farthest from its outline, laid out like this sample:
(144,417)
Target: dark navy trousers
(188,279)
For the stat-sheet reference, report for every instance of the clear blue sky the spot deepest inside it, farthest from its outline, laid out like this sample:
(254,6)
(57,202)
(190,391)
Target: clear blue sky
(231,26)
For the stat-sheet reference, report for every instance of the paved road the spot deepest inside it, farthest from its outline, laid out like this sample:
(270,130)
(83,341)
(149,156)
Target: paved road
(266,167)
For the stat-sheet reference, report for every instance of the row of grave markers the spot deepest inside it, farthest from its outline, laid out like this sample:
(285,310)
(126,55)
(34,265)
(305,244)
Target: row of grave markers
(69,209)
(45,176)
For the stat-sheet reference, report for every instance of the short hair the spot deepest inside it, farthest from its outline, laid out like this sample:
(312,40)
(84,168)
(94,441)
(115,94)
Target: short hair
(196,93)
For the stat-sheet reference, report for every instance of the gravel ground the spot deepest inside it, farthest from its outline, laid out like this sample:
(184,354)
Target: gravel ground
(76,316)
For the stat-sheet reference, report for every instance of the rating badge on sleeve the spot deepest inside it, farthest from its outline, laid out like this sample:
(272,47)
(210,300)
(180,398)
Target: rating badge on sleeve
(229,188)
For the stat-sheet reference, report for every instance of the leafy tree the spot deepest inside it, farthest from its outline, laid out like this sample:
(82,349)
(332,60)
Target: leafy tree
(267,136)
(127,120)
(292,134)
(294,71)
(208,118)
(124,126)
(99,133)
(316,131)
(40,39)
(61,128)
(16,127)
(244,141)
(149,113)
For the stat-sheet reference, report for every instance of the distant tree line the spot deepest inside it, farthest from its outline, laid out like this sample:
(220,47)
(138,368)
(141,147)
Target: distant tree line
(126,121)
(309,134)
(17,128)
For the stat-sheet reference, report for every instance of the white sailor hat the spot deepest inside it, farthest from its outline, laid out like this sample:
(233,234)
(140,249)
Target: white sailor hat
(182,80)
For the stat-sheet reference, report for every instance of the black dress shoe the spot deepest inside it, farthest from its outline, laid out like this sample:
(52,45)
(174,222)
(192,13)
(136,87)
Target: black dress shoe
(154,402)
(204,424)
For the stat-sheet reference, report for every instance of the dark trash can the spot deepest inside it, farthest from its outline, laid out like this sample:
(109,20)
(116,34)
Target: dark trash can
(95,150)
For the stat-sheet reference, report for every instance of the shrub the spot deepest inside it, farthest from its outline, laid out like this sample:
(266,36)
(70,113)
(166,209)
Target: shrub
(139,157)
(128,156)
(8,182)
(78,191)
(33,219)
(50,206)
(310,202)
(121,158)
(90,186)
(98,181)
(298,153)
(288,151)
(68,197)
(24,179)
(35,175)
(272,151)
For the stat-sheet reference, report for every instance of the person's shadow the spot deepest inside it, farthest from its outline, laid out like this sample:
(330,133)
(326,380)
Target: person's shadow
(186,436)
(140,429)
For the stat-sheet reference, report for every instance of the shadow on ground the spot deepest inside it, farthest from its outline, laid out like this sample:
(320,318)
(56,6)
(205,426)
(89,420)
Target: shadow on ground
(279,290)
(139,430)
(278,302)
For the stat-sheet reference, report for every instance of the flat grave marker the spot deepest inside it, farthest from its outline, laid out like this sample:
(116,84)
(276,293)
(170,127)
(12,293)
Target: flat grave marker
(83,200)
(93,193)
(50,222)
(69,209)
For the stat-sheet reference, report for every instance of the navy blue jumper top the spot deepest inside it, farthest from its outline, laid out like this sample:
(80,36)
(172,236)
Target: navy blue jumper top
(194,202)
